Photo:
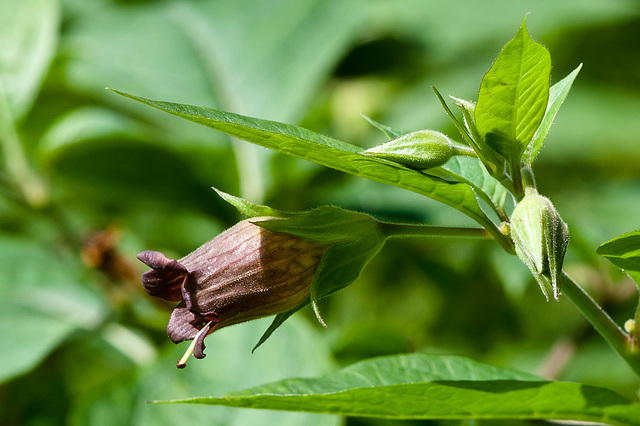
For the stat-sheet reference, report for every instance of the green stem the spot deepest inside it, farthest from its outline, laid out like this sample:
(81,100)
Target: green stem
(250,180)
(601,321)
(529,181)
(399,230)
(465,151)
(516,178)
(22,177)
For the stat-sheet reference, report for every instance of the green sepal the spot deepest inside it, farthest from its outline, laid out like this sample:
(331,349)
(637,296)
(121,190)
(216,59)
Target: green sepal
(248,208)
(278,320)
(353,238)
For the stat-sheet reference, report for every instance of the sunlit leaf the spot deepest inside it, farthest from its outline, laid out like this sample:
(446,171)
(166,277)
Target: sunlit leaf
(420,386)
(470,170)
(270,61)
(230,365)
(513,97)
(624,252)
(390,132)
(302,143)
(557,94)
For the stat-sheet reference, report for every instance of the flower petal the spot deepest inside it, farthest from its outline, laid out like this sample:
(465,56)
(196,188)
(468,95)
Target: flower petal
(166,277)
(185,325)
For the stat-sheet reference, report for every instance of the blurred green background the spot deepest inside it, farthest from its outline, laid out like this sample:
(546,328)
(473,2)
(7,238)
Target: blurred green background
(88,179)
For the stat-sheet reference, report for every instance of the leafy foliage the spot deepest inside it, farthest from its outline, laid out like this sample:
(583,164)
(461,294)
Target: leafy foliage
(624,252)
(513,99)
(423,386)
(88,179)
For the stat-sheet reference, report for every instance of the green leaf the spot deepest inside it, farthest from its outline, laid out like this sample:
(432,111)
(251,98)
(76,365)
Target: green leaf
(420,386)
(355,238)
(624,252)
(214,54)
(86,124)
(248,208)
(513,97)
(469,113)
(303,143)
(42,302)
(492,162)
(472,172)
(28,38)
(297,351)
(390,132)
(557,94)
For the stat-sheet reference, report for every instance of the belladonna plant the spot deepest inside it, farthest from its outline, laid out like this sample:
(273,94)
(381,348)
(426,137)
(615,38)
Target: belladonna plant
(275,263)
(272,264)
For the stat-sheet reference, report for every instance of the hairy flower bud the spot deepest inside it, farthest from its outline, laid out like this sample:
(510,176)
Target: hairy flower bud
(541,238)
(247,272)
(424,149)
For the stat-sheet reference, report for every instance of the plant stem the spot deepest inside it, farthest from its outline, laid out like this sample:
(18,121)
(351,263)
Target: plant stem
(601,321)
(251,184)
(400,230)
(22,177)
(465,151)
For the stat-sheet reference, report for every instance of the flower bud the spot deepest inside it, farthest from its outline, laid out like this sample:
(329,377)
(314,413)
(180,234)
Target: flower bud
(424,149)
(541,238)
(247,272)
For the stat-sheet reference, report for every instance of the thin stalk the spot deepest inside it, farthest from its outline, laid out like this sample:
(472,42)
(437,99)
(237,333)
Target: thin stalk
(465,151)
(21,175)
(250,180)
(400,230)
(601,321)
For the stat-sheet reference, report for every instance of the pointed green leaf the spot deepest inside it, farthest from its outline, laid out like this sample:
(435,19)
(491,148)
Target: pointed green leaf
(248,208)
(492,162)
(624,252)
(557,94)
(468,112)
(123,399)
(356,238)
(471,171)
(303,143)
(420,386)
(353,239)
(513,97)
(390,132)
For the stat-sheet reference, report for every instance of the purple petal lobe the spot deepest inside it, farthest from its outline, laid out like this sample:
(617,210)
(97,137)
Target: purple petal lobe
(198,351)
(166,277)
(185,325)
